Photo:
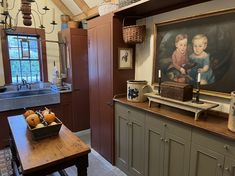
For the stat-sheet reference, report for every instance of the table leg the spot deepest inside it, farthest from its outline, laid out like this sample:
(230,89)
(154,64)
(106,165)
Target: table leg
(82,164)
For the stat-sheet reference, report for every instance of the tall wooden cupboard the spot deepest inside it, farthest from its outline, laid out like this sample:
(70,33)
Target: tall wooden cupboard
(77,75)
(105,80)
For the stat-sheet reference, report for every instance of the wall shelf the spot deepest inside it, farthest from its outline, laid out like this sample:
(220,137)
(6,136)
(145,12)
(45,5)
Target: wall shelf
(145,8)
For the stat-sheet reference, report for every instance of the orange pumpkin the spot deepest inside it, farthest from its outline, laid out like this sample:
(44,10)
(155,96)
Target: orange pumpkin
(50,117)
(46,111)
(33,120)
(28,112)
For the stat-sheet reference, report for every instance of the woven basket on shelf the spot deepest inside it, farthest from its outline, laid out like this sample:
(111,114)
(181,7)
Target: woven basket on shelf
(133,34)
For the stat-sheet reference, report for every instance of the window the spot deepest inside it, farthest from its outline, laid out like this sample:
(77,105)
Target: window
(24,58)
(24,55)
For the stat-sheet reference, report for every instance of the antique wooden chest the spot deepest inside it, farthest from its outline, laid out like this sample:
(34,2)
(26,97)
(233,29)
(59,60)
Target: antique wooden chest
(177,91)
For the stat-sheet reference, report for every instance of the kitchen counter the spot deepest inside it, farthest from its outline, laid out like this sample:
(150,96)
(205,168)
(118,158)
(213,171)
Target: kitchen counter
(213,122)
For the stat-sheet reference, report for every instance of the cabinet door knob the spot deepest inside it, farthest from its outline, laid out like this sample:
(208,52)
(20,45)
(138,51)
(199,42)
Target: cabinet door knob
(226,147)
(219,165)
(130,124)
(109,103)
(227,169)
(165,125)
(166,141)
(161,138)
(128,111)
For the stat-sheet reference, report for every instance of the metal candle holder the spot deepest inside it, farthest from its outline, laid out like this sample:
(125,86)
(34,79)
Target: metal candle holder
(159,85)
(197,96)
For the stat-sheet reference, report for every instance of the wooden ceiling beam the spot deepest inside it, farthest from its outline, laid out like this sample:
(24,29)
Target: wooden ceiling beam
(90,13)
(62,7)
(82,5)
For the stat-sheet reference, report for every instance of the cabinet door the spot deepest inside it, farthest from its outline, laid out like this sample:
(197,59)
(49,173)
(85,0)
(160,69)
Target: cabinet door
(205,162)
(176,155)
(154,146)
(80,104)
(93,89)
(229,167)
(64,110)
(105,90)
(121,124)
(136,141)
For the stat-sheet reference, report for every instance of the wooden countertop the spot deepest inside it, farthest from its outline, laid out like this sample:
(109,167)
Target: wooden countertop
(35,155)
(215,123)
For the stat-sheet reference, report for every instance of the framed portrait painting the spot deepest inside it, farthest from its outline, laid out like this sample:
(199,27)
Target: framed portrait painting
(125,58)
(202,44)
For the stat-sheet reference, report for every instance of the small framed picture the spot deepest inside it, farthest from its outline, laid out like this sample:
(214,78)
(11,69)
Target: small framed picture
(125,58)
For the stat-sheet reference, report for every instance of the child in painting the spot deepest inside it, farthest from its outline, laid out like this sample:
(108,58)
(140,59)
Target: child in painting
(179,58)
(201,58)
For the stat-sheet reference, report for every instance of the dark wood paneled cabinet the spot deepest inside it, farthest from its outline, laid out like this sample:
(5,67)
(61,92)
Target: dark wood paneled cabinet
(76,41)
(105,80)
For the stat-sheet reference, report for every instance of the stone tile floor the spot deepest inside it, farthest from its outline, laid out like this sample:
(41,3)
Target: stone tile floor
(98,166)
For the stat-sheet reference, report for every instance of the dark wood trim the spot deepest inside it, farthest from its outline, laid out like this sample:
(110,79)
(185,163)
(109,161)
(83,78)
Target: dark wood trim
(5,56)
(42,48)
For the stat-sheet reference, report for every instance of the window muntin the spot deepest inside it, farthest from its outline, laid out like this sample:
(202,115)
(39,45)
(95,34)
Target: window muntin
(24,58)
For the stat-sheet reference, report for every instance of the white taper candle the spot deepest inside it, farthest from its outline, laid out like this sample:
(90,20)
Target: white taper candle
(199,77)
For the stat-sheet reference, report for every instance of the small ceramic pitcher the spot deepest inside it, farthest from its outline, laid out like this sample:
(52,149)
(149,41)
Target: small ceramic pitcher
(136,90)
(231,119)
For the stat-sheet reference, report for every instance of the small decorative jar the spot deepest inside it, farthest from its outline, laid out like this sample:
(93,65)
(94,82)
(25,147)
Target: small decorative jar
(136,90)
(231,119)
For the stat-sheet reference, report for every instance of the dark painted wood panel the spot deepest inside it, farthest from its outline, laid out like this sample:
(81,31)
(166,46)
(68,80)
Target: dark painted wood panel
(93,87)
(76,40)
(104,39)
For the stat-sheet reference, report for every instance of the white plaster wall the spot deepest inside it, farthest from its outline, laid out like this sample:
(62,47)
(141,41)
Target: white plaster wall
(52,48)
(144,51)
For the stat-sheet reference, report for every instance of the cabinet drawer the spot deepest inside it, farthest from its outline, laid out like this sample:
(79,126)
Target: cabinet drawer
(178,129)
(121,109)
(213,142)
(130,112)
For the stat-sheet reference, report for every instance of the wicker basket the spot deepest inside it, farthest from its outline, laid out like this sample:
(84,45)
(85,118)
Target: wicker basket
(133,34)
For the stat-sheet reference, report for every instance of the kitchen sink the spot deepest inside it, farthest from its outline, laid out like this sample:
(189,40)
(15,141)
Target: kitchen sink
(16,94)
(11,100)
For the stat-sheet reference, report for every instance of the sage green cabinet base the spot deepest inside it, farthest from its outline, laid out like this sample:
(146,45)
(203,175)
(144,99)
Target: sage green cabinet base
(151,145)
(129,140)
(166,144)
(205,162)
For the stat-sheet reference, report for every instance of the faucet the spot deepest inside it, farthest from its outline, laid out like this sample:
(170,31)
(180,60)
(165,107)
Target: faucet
(24,83)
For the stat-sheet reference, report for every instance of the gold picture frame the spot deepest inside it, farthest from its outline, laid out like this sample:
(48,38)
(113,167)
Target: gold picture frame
(125,58)
(218,28)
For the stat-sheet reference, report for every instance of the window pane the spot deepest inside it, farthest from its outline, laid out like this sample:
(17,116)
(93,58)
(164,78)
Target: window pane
(20,38)
(33,43)
(25,69)
(13,53)
(12,41)
(33,54)
(35,66)
(15,71)
(36,76)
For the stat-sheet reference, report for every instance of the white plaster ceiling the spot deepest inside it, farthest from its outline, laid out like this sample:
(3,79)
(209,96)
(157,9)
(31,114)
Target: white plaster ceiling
(72,6)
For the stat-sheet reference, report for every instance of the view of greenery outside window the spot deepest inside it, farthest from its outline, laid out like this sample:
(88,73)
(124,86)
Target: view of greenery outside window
(24,58)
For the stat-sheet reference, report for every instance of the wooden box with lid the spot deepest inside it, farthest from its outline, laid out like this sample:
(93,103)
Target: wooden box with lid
(177,91)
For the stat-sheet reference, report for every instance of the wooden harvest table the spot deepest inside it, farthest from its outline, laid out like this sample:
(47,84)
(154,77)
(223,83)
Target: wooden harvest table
(45,156)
